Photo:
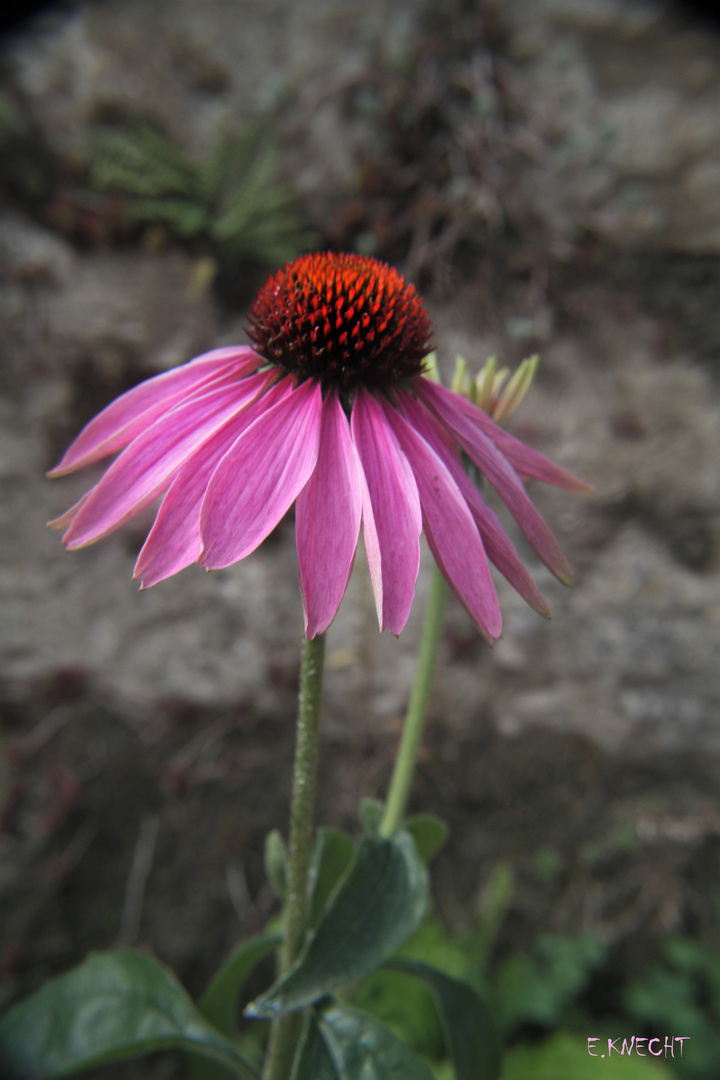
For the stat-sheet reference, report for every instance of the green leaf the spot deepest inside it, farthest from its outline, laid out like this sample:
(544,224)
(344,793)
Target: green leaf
(376,908)
(113,1006)
(184,217)
(332,856)
(371,814)
(407,1006)
(540,986)
(141,161)
(245,199)
(276,863)
(430,834)
(472,1039)
(495,901)
(219,1002)
(363,1049)
(314,1061)
(344,1044)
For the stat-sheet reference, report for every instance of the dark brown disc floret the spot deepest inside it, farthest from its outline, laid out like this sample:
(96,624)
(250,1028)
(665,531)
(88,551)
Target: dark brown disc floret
(348,320)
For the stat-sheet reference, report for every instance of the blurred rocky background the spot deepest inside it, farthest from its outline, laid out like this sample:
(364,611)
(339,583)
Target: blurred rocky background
(548,173)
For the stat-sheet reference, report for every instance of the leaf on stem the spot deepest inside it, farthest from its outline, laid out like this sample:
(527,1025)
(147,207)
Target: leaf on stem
(314,1061)
(276,863)
(471,1036)
(219,1002)
(430,834)
(333,854)
(376,908)
(371,813)
(344,1044)
(113,1006)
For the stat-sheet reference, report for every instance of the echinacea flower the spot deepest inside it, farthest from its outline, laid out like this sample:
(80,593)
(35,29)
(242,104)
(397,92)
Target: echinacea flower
(329,409)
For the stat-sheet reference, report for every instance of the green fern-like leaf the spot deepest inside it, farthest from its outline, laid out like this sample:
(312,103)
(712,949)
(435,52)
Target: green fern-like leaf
(231,198)
(181,216)
(249,199)
(141,162)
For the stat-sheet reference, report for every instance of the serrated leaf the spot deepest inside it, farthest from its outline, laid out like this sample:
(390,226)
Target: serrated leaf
(332,855)
(113,1006)
(430,834)
(472,1039)
(364,1049)
(377,907)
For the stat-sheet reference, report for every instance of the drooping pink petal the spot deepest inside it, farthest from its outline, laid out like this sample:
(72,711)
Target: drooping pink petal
(500,475)
(450,529)
(174,541)
(502,553)
(133,412)
(529,463)
(500,550)
(70,514)
(146,467)
(260,477)
(392,519)
(327,520)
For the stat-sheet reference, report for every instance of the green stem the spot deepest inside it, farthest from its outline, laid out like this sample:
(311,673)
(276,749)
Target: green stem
(417,708)
(285,1030)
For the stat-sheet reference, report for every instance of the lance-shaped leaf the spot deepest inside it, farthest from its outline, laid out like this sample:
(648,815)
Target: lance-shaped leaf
(113,1006)
(314,1061)
(334,851)
(347,1045)
(376,908)
(276,863)
(219,1002)
(470,1032)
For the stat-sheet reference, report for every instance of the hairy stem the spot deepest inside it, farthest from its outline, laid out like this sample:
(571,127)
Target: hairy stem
(285,1030)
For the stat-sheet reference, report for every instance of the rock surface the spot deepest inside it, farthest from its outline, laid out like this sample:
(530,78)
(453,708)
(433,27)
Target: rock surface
(628,94)
(638,630)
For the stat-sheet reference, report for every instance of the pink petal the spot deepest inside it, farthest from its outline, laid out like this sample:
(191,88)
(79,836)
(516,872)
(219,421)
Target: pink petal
(498,546)
(392,520)
(174,541)
(450,529)
(499,473)
(260,477)
(531,464)
(327,520)
(133,412)
(146,467)
(70,514)
(503,555)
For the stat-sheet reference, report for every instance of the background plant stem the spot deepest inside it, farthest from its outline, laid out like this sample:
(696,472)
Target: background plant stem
(417,708)
(285,1030)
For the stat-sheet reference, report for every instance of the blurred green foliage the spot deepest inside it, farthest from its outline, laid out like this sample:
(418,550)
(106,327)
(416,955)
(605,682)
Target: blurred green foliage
(231,200)
(536,996)
(535,988)
(680,995)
